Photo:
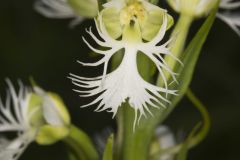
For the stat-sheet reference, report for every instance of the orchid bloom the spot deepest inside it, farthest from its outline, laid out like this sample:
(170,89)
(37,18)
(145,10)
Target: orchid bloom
(76,9)
(193,8)
(11,150)
(125,83)
(233,20)
(26,113)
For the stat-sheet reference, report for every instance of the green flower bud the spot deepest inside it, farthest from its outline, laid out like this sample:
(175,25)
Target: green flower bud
(51,116)
(49,134)
(55,111)
(86,8)
(193,8)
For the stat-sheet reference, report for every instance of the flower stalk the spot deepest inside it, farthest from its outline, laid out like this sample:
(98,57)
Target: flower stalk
(80,145)
(179,36)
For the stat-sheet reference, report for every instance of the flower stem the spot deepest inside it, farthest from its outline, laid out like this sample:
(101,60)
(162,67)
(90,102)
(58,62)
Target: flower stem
(199,136)
(131,144)
(179,36)
(80,145)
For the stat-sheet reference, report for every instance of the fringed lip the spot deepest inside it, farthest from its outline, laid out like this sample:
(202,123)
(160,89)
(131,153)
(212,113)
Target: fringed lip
(125,82)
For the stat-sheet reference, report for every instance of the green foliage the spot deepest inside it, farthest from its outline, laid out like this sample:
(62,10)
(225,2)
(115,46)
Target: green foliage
(80,145)
(190,57)
(108,153)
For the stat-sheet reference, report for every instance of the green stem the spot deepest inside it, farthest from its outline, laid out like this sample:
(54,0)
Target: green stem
(132,145)
(201,134)
(179,36)
(80,145)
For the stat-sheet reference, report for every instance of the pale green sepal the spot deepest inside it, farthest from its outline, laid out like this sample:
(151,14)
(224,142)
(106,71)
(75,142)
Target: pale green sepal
(153,23)
(111,21)
(86,8)
(48,134)
(35,112)
(108,152)
(61,108)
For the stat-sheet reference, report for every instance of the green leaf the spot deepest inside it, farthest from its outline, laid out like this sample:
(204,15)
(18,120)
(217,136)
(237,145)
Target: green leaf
(108,153)
(80,145)
(190,57)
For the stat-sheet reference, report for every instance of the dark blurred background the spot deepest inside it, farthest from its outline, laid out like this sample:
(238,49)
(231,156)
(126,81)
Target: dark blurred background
(47,49)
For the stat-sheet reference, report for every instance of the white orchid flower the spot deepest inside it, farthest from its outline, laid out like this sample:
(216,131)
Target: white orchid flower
(75,9)
(232,19)
(193,8)
(125,82)
(26,113)
(15,118)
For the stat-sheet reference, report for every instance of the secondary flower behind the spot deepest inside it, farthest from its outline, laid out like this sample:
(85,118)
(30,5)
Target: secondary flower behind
(233,20)
(125,82)
(34,116)
(76,9)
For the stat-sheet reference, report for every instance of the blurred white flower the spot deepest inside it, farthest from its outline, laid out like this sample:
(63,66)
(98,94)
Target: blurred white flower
(125,83)
(192,8)
(232,19)
(15,118)
(166,140)
(26,113)
(75,9)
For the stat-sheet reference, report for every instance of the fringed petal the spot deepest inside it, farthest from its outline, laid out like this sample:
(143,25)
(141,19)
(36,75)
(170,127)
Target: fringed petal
(125,83)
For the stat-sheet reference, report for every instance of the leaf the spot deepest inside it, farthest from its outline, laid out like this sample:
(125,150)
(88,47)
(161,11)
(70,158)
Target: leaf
(108,153)
(80,145)
(190,58)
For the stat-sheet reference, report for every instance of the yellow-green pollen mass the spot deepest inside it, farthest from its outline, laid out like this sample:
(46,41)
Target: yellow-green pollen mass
(134,11)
